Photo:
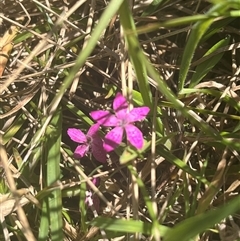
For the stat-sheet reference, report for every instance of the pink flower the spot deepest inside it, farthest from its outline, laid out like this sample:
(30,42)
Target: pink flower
(121,120)
(91,142)
(92,200)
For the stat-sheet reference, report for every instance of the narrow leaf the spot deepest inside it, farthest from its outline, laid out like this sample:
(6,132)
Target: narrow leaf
(193,226)
(206,66)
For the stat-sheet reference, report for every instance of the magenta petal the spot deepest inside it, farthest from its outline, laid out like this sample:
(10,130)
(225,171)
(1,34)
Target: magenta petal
(104,117)
(81,151)
(76,135)
(134,136)
(120,105)
(93,130)
(97,149)
(92,200)
(138,113)
(96,181)
(113,139)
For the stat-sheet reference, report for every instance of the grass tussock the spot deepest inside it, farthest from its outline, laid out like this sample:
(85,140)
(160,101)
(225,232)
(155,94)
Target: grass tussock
(60,60)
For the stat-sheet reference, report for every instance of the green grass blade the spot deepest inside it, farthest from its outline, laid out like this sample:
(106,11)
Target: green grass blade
(193,226)
(216,27)
(180,164)
(137,58)
(53,143)
(126,226)
(44,222)
(104,20)
(78,113)
(144,192)
(153,6)
(196,34)
(177,104)
(83,206)
(14,128)
(171,23)
(135,52)
(109,12)
(203,68)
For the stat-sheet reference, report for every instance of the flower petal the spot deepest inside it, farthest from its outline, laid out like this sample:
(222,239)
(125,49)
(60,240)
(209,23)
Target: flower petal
(93,130)
(113,139)
(104,117)
(97,149)
(76,135)
(134,136)
(96,181)
(92,200)
(81,151)
(120,105)
(89,198)
(138,113)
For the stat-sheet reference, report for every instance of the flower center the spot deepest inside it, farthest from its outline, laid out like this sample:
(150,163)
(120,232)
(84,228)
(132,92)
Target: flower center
(123,122)
(89,140)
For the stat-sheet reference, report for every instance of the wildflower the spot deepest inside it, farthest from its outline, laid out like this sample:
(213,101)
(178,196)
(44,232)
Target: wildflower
(121,120)
(91,142)
(92,200)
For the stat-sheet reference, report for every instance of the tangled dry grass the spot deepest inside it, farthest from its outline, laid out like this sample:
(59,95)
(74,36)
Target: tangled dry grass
(45,49)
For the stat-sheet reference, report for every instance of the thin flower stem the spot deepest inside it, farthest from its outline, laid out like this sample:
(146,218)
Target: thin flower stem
(135,188)
(123,55)
(153,155)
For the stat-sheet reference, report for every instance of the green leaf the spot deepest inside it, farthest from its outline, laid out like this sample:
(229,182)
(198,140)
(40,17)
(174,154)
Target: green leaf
(198,30)
(53,176)
(180,164)
(137,58)
(130,154)
(153,6)
(126,226)
(44,223)
(51,219)
(203,68)
(135,52)
(14,128)
(216,27)
(191,227)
